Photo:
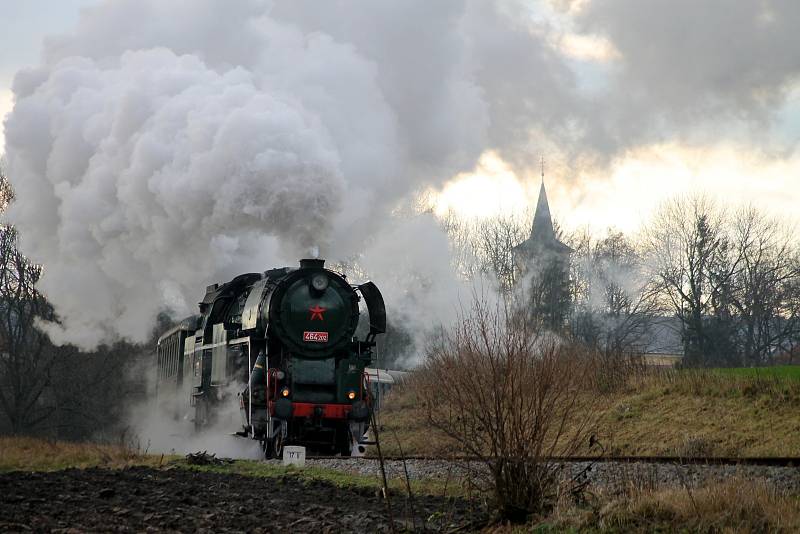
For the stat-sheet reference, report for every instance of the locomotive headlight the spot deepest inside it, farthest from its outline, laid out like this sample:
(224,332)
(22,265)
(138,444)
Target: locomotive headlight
(285,392)
(319,282)
(351,395)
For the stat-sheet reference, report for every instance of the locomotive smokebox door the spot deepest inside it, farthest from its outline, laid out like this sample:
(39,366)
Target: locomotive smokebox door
(316,311)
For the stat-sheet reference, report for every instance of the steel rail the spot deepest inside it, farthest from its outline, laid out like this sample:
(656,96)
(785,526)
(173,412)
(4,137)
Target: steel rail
(766,461)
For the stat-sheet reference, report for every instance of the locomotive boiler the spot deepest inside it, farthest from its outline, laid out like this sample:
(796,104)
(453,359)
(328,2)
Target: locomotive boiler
(283,345)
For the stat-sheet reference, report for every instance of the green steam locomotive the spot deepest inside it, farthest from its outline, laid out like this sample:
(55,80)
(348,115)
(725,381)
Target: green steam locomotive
(284,343)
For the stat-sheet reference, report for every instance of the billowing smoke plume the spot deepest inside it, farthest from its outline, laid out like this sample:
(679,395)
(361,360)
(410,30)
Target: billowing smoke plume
(167,145)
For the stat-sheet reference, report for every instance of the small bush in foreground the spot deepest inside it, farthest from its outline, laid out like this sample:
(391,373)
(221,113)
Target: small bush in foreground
(513,399)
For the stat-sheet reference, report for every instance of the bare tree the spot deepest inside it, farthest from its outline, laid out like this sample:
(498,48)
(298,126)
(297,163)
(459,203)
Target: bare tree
(460,234)
(692,265)
(494,240)
(45,389)
(26,355)
(763,294)
(613,305)
(732,279)
(90,394)
(484,247)
(513,399)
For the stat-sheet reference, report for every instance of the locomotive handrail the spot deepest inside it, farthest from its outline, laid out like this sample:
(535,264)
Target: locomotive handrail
(270,374)
(365,383)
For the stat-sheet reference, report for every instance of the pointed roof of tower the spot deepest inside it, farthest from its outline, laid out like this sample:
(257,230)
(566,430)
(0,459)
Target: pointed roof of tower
(543,233)
(542,228)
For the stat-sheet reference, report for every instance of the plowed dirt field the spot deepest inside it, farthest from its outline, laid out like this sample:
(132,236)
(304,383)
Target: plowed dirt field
(141,499)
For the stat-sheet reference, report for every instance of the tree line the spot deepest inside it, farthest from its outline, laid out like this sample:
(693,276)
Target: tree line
(724,282)
(50,390)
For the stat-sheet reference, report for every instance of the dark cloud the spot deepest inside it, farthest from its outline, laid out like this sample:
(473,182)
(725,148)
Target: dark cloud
(686,65)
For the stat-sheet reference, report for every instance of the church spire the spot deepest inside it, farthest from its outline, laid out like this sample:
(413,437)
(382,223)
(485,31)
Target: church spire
(542,248)
(542,228)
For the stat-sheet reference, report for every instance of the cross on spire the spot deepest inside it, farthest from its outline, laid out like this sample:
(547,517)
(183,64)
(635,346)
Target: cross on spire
(542,170)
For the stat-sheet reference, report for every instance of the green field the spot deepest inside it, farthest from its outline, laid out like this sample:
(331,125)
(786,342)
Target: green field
(779,371)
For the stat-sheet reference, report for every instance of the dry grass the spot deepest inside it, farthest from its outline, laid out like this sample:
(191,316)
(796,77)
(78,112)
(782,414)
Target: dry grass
(680,413)
(31,454)
(734,506)
(661,422)
(705,412)
(730,506)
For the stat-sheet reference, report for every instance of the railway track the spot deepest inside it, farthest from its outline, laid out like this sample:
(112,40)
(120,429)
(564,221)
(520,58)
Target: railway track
(697,460)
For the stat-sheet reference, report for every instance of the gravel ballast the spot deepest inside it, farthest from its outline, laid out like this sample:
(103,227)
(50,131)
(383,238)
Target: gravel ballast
(608,475)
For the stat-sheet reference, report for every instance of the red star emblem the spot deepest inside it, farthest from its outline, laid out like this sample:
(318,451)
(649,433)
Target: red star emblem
(316,312)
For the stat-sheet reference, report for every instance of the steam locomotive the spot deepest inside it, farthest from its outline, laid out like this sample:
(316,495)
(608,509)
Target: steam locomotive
(284,343)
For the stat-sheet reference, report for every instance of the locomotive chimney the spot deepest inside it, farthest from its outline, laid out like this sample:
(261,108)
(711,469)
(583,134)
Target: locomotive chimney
(309,263)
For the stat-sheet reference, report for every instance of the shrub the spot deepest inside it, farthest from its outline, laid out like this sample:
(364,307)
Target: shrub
(515,399)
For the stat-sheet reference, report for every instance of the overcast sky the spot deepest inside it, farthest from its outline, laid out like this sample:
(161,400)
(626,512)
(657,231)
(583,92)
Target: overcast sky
(23,26)
(695,96)
(157,146)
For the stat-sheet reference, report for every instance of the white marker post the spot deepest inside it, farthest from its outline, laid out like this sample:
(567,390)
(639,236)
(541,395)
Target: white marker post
(293,455)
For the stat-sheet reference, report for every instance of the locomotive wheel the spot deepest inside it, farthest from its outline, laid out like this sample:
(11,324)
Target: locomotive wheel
(277,446)
(273,448)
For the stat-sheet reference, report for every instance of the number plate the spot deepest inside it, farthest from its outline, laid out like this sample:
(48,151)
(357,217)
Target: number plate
(315,337)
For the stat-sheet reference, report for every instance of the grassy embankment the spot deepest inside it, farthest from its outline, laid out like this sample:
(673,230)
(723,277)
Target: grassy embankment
(731,412)
(720,412)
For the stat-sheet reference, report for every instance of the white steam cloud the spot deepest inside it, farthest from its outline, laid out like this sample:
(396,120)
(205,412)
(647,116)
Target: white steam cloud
(167,145)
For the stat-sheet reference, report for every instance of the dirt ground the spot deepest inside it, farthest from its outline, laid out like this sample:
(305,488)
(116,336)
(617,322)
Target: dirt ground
(142,499)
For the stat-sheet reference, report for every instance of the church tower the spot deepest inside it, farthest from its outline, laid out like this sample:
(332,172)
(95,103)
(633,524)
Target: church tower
(542,247)
(541,265)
